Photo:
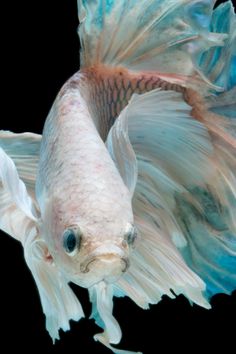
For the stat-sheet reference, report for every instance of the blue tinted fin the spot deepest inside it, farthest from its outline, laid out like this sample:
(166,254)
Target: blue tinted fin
(219,64)
(211,250)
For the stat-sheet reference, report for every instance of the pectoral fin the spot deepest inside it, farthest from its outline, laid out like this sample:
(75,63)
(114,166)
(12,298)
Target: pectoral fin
(59,303)
(18,216)
(23,149)
(19,155)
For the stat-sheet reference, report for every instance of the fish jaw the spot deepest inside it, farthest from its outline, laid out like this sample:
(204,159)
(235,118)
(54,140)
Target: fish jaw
(108,262)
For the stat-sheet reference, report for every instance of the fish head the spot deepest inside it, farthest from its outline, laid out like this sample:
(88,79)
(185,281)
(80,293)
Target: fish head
(89,250)
(96,260)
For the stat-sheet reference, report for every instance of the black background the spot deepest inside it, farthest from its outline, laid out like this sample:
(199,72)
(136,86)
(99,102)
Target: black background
(39,52)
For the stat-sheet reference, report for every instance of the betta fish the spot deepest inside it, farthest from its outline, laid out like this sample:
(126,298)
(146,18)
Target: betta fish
(131,188)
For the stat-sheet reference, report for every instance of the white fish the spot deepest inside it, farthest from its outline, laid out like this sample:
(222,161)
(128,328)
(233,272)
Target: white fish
(131,189)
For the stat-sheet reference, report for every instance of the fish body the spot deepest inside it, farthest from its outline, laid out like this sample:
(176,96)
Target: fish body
(130,190)
(76,172)
(110,89)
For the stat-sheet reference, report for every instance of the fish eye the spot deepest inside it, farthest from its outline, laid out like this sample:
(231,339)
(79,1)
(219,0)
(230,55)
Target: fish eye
(71,240)
(131,235)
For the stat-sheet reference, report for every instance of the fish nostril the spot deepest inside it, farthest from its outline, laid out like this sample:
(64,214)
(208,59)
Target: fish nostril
(84,267)
(124,244)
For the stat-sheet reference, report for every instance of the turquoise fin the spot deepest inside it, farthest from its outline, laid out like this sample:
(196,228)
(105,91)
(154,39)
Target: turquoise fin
(219,64)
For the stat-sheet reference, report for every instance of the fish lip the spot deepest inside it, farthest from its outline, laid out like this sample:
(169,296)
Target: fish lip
(104,250)
(126,263)
(85,266)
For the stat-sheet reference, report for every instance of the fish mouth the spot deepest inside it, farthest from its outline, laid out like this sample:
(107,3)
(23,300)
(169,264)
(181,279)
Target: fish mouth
(106,260)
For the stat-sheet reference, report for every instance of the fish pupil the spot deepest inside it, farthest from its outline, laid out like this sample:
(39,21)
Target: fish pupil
(70,241)
(131,236)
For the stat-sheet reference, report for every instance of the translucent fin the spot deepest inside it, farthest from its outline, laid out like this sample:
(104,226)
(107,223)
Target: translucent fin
(122,152)
(60,305)
(147,34)
(157,268)
(101,296)
(219,64)
(177,155)
(211,250)
(222,131)
(18,218)
(224,104)
(23,149)
(212,234)
(17,213)
(161,128)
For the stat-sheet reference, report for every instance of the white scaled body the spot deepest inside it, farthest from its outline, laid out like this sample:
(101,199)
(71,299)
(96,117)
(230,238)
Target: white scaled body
(78,184)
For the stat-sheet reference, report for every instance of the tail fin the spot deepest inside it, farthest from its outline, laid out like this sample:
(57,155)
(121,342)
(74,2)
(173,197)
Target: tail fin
(146,34)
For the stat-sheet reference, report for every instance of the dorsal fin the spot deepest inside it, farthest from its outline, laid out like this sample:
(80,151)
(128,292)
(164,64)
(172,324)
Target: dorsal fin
(147,35)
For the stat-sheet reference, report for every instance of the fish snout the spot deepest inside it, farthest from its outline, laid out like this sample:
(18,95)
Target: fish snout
(107,266)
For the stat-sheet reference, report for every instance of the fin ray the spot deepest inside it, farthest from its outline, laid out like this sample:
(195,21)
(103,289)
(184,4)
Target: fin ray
(23,149)
(158,31)
(17,213)
(59,303)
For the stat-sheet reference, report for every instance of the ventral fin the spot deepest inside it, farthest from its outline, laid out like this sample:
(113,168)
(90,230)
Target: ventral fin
(101,296)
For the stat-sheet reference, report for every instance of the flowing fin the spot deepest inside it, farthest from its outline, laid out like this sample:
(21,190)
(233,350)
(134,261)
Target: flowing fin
(177,155)
(60,305)
(122,151)
(101,296)
(19,218)
(158,31)
(211,250)
(222,131)
(223,104)
(158,269)
(219,64)
(17,213)
(23,149)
